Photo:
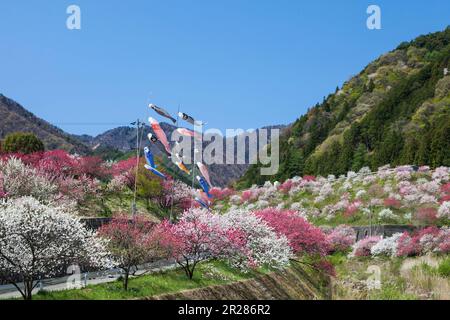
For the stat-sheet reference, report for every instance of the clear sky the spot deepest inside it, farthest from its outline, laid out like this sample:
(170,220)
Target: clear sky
(235,64)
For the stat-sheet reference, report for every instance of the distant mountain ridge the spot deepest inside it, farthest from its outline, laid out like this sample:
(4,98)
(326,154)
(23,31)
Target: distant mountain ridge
(14,118)
(124,139)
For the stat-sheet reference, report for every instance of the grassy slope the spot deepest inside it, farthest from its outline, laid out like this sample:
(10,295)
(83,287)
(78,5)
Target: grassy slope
(212,280)
(207,274)
(418,278)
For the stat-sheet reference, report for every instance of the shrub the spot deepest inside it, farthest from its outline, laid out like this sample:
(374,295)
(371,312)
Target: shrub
(352,208)
(286,186)
(386,247)
(426,215)
(444,267)
(363,247)
(407,245)
(392,203)
(221,194)
(341,238)
(429,239)
(325,266)
(93,167)
(444,210)
(127,169)
(443,241)
(21,142)
(387,214)
(445,192)
(249,195)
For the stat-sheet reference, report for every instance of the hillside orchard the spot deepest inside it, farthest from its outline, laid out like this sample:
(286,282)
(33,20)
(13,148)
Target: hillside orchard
(305,219)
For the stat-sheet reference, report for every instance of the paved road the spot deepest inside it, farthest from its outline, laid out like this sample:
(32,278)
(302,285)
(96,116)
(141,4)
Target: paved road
(90,278)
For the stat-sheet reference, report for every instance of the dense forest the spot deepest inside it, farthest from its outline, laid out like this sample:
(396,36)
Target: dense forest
(396,111)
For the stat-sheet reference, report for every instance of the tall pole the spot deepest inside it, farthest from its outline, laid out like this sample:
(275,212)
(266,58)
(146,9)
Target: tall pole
(134,207)
(173,182)
(193,164)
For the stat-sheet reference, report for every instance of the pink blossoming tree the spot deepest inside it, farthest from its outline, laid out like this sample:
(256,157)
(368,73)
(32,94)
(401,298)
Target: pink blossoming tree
(130,242)
(194,238)
(303,237)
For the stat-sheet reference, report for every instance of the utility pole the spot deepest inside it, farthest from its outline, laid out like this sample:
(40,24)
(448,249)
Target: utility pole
(171,217)
(133,205)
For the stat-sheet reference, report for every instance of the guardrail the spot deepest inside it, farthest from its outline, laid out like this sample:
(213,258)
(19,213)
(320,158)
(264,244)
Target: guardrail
(384,230)
(95,223)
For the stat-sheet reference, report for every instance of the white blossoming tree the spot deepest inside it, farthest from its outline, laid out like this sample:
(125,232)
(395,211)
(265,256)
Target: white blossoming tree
(265,246)
(37,241)
(444,210)
(387,246)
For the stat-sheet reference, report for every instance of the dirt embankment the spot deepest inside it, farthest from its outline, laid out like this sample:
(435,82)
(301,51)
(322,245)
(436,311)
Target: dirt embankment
(293,283)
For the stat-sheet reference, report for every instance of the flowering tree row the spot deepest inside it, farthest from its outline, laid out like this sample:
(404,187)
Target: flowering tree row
(399,195)
(244,239)
(58,177)
(427,240)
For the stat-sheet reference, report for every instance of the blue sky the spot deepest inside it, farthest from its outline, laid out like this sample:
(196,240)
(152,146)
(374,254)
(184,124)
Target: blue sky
(235,64)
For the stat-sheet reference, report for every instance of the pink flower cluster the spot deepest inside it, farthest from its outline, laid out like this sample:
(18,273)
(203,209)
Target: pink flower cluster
(352,208)
(431,239)
(426,215)
(59,162)
(128,236)
(251,195)
(392,203)
(341,238)
(221,193)
(195,237)
(362,247)
(303,237)
(445,193)
(286,186)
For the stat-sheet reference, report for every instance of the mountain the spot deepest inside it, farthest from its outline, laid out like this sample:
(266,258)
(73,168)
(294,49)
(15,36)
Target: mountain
(395,111)
(14,117)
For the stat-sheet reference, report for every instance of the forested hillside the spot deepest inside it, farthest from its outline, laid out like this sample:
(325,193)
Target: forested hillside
(396,111)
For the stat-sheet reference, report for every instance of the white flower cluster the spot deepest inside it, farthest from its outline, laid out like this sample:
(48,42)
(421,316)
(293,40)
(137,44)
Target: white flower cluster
(444,210)
(37,239)
(387,246)
(387,214)
(265,245)
(360,193)
(20,180)
(394,191)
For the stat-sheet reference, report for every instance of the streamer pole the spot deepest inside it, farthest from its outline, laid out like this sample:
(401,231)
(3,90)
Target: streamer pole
(193,164)
(133,207)
(173,180)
